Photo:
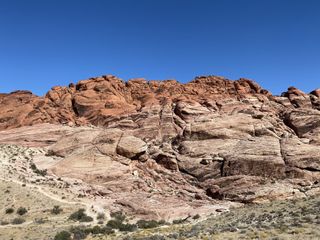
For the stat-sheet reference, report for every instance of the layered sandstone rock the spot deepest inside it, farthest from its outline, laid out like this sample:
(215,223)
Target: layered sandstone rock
(210,139)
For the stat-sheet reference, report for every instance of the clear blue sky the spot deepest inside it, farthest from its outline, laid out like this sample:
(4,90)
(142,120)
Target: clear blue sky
(54,42)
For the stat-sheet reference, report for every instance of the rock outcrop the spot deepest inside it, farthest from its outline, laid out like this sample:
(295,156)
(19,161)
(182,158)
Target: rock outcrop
(210,139)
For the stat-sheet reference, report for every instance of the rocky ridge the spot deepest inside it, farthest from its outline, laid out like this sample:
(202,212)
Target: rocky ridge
(185,147)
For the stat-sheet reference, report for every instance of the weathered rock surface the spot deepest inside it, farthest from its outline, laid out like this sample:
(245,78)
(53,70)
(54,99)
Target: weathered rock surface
(131,147)
(189,144)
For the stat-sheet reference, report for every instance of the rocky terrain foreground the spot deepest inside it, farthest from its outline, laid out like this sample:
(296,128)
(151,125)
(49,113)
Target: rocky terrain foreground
(156,152)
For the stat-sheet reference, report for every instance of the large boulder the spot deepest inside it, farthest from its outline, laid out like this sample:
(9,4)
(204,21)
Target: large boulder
(131,147)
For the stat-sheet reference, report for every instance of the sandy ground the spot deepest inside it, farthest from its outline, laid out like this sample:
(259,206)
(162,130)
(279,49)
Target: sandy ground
(21,187)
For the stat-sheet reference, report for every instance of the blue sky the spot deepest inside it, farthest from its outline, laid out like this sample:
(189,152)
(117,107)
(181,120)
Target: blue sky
(44,43)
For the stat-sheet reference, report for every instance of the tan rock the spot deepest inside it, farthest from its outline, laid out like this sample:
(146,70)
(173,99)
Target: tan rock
(131,147)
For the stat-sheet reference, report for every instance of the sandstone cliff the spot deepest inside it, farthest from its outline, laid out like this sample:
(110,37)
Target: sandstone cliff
(209,139)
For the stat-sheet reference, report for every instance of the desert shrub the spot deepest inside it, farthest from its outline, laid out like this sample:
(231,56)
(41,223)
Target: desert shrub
(79,232)
(2,223)
(39,220)
(123,227)
(127,227)
(149,224)
(101,230)
(154,237)
(197,216)
(173,235)
(114,223)
(56,210)
(118,216)
(63,235)
(117,222)
(192,233)
(86,219)
(82,232)
(21,211)
(38,171)
(80,216)
(17,221)
(178,221)
(100,216)
(9,210)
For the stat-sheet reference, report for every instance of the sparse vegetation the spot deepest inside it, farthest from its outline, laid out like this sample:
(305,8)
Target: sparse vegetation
(21,211)
(197,216)
(3,223)
(80,216)
(114,223)
(178,221)
(63,235)
(17,221)
(295,219)
(118,223)
(39,220)
(38,171)
(149,224)
(118,216)
(101,216)
(81,232)
(127,227)
(56,210)
(9,210)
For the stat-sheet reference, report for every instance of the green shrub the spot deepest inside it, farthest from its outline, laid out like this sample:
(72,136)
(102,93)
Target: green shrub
(123,227)
(39,220)
(100,216)
(196,217)
(82,232)
(17,221)
(86,219)
(117,223)
(63,235)
(101,230)
(9,210)
(2,223)
(38,171)
(80,216)
(127,227)
(79,232)
(21,211)
(118,216)
(149,224)
(178,221)
(56,210)
(114,223)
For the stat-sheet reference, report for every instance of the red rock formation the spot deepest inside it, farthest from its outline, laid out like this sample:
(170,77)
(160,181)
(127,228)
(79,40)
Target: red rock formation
(97,100)
(316,92)
(224,138)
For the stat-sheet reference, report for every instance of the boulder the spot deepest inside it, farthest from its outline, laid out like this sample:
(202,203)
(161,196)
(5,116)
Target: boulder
(131,147)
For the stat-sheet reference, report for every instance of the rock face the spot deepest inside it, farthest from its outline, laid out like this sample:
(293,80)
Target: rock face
(211,138)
